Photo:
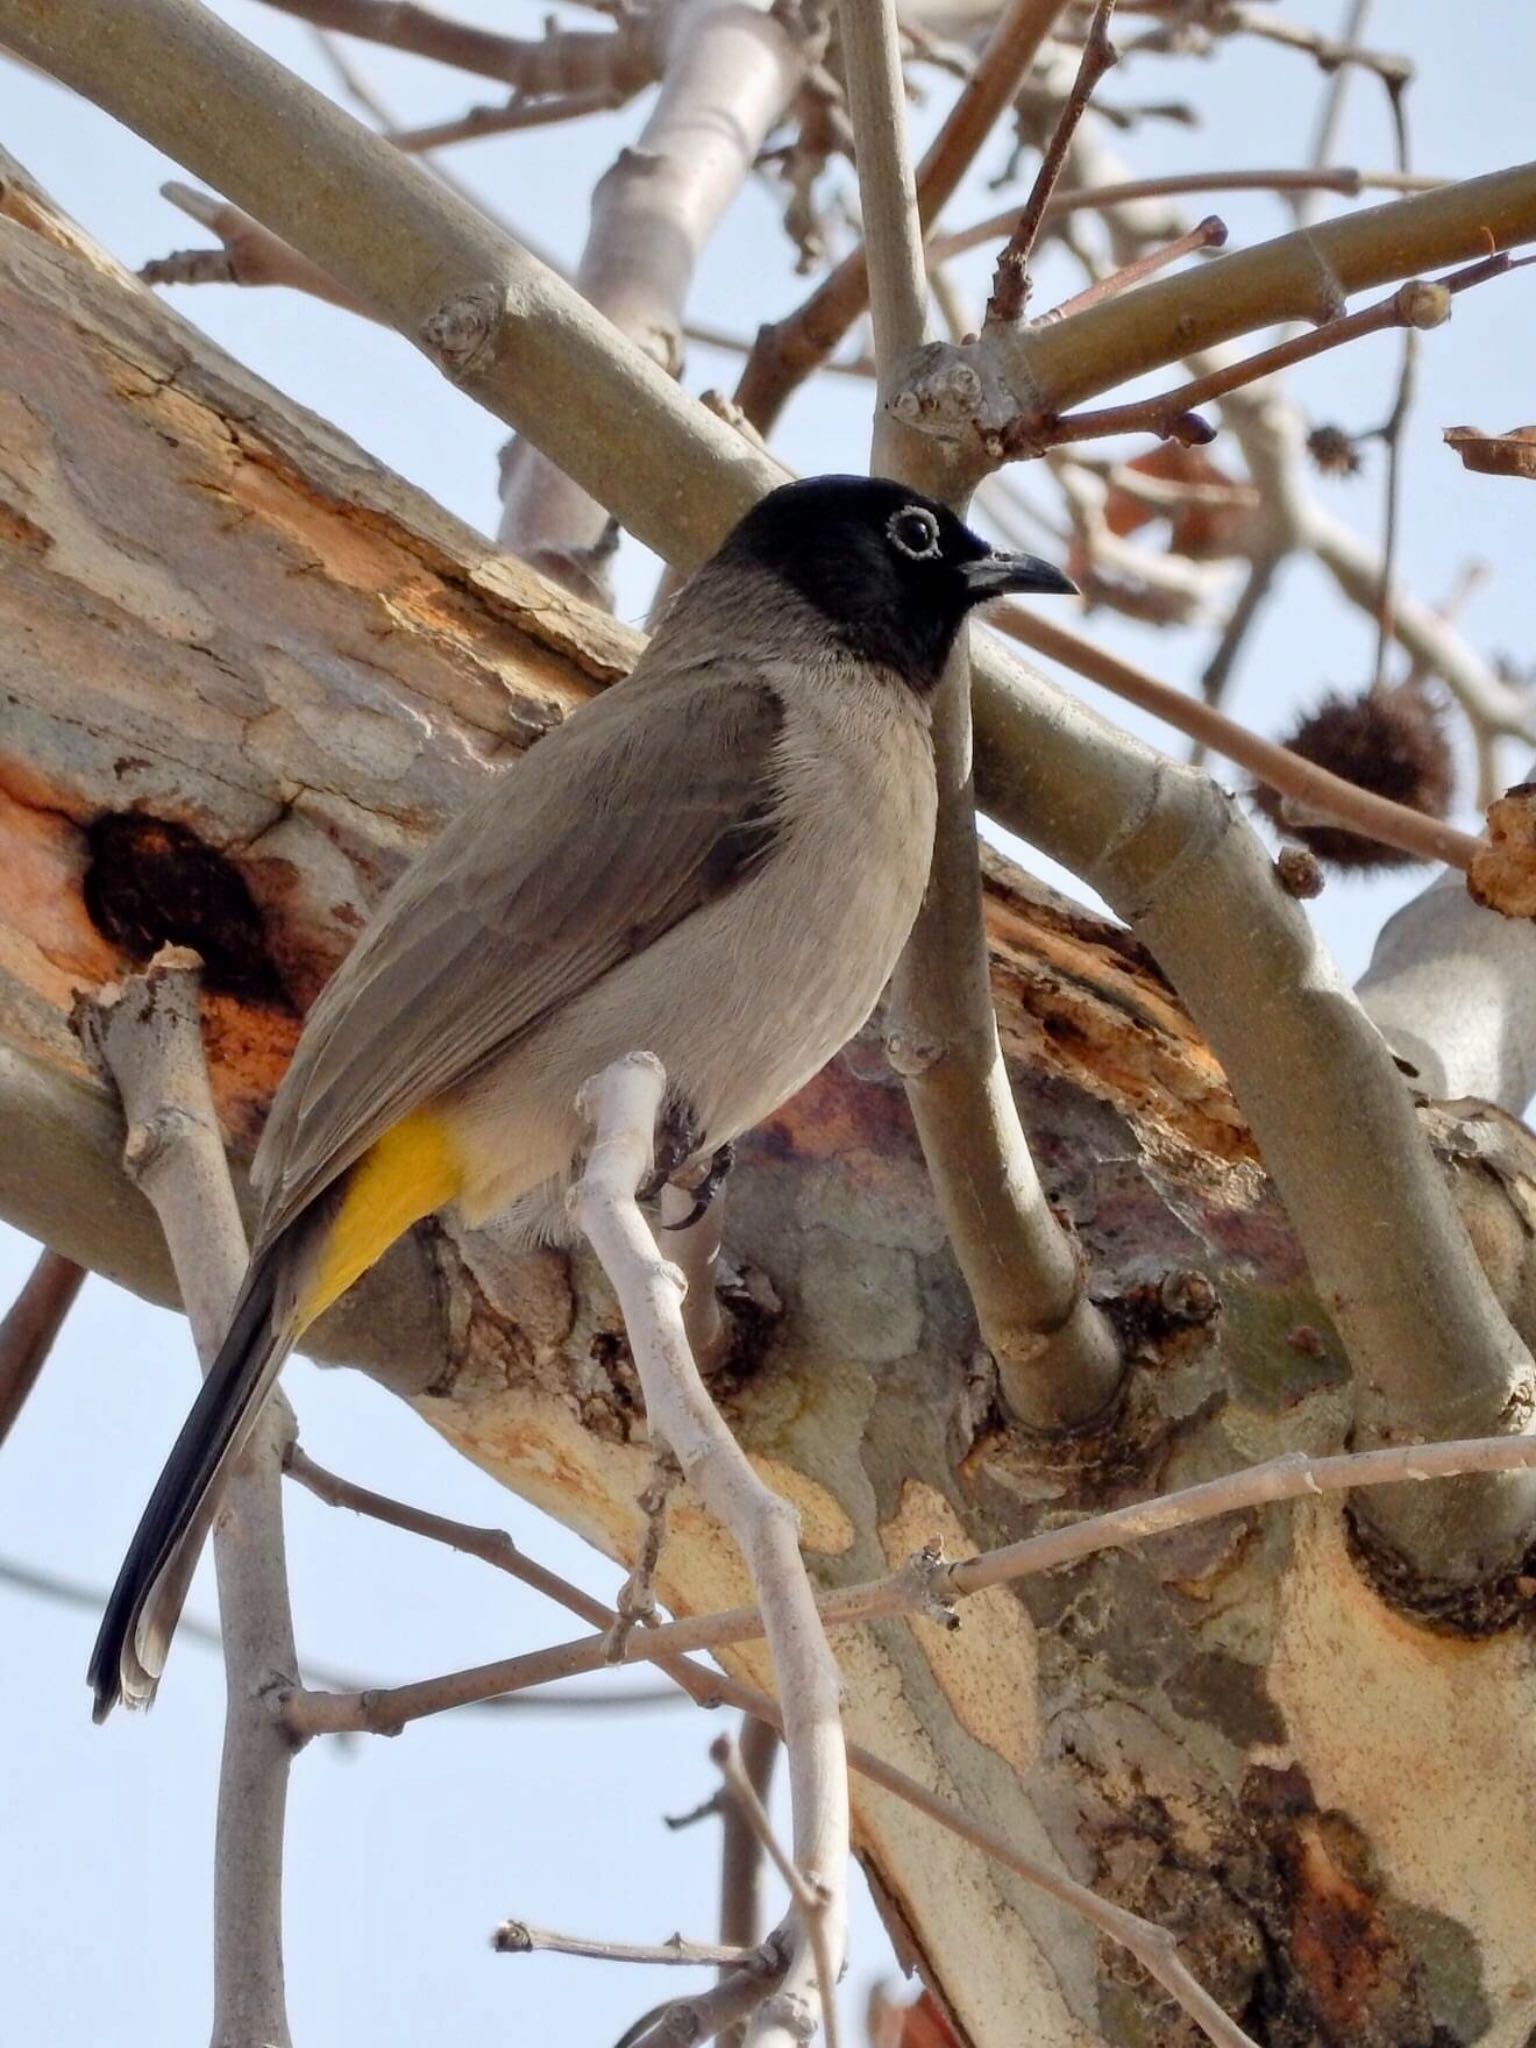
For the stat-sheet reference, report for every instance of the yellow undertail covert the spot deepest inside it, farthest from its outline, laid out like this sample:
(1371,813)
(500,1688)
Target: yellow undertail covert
(410,1171)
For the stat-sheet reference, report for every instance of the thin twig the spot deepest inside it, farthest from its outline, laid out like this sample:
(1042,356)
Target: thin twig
(923,1585)
(1210,233)
(148,1035)
(1010,281)
(739,1994)
(520,1938)
(636,1600)
(32,1323)
(48,1585)
(512,117)
(1377,817)
(1346,181)
(619,59)
(1326,51)
(1331,115)
(1392,432)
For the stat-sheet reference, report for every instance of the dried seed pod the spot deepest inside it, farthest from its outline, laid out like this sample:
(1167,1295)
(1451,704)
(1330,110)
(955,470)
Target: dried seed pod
(1391,742)
(1333,452)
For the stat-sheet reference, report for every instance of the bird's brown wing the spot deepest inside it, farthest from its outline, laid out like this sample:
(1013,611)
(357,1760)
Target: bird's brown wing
(647,804)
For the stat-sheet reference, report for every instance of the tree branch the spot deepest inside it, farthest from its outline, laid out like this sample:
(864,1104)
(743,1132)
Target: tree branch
(527,348)
(1318,788)
(786,351)
(924,1585)
(968,394)
(1010,282)
(31,1324)
(519,1938)
(729,72)
(623,1105)
(741,1853)
(1058,1362)
(621,60)
(1093,198)
(148,1035)
(812,1901)
(1420,304)
(1283,1478)
(1434,1354)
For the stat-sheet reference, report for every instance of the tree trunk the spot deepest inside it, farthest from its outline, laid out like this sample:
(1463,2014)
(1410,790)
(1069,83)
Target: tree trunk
(246,674)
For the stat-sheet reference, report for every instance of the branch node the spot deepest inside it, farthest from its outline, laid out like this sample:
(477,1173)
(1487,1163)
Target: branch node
(1423,304)
(460,336)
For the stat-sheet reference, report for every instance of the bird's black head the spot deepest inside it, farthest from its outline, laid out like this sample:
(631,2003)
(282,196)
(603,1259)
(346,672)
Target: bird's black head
(893,573)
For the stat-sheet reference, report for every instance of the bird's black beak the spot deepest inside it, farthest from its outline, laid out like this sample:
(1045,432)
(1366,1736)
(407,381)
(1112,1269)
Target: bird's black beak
(1001,575)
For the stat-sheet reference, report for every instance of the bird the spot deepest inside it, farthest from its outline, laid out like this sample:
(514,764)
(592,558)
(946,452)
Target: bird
(717,861)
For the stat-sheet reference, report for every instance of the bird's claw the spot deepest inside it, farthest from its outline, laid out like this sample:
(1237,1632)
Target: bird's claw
(715,1177)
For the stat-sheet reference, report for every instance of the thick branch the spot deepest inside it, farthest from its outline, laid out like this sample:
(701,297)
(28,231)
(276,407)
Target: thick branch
(1058,1363)
(623,1105)
(149,1035)
(1434,1355)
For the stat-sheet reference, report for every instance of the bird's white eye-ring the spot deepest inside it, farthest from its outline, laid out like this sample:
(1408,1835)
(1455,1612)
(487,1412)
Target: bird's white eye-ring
(915,532)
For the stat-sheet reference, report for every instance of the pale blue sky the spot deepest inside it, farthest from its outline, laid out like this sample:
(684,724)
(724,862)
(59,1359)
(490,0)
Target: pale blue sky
(404,1855)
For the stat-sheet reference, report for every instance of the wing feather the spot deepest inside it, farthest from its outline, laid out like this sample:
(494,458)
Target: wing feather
(644,806)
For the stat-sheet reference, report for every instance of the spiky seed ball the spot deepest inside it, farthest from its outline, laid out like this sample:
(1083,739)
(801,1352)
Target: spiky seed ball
(1333,451)
(1393,744)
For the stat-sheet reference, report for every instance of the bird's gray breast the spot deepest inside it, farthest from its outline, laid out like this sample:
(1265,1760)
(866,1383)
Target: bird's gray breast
(747,998)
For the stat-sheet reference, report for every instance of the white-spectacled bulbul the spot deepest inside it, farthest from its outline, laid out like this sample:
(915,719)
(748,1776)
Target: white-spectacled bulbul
(718,861)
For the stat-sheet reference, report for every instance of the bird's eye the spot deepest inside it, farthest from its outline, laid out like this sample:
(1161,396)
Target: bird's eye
(915,532)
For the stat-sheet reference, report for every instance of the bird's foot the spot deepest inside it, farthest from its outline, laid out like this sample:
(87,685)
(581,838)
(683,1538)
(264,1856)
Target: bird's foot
(677,1140)
(704,1191)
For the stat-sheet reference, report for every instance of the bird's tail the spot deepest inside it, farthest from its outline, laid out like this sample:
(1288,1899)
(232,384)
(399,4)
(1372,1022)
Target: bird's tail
(145,1603)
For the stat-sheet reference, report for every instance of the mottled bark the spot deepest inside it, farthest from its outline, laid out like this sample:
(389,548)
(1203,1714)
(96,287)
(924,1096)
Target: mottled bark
(236,653)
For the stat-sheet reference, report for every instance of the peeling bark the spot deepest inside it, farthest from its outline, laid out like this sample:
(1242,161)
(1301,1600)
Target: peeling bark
(220,620)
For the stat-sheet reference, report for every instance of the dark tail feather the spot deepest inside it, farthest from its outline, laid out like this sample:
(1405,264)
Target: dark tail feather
(145,1604)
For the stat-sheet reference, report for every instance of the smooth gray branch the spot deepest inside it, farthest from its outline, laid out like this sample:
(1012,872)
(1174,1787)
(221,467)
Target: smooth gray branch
(729,70)
(1058,1363)
(148,1035)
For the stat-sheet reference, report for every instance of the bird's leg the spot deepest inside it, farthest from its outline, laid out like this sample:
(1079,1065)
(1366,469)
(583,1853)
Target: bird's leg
(705,1190)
